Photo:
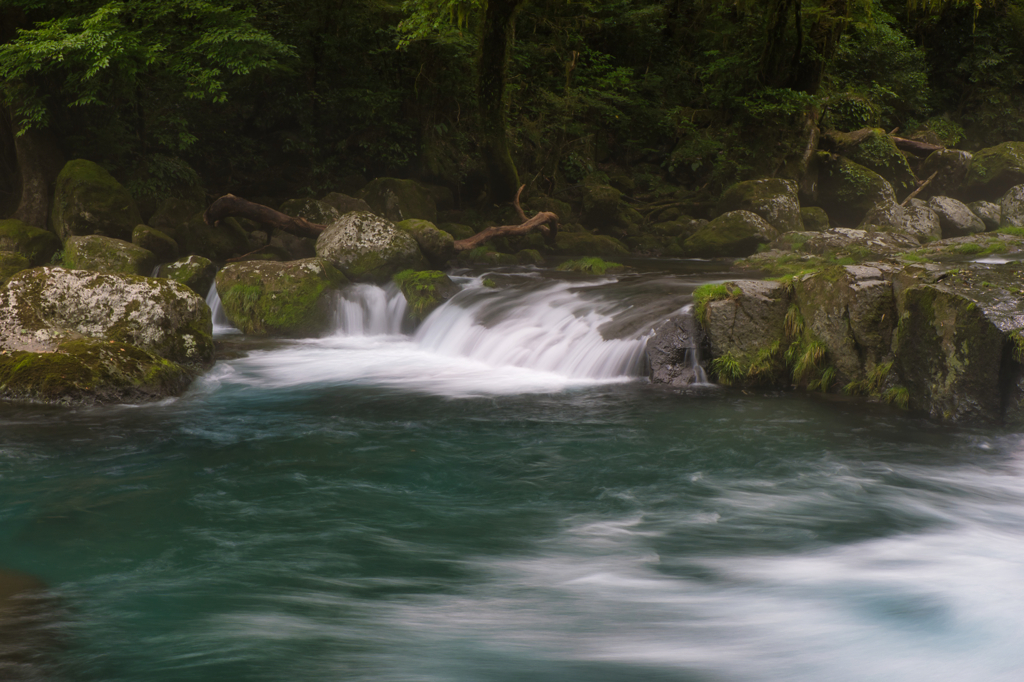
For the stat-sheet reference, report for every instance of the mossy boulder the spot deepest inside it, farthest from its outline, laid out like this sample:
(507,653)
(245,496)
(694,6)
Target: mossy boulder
(343,203)
(993,171)
(873,149)
(731,235)
(773,199)
(457,231)
(585,244)
(11,263)
(108,255)
(292,299)
(852,311)
(1011,207)
(88,200)
(424,291)
(486,255)
(172,218)
(319,212)
(917,221)
(848,190)
(227,239)
(814,219)
(195,272)
(950,167)
(436,245)
(72,336)
(161,245)
(550,205)
(37,245)
(368,248)
(745,322)
(398,200)
(529,257)
(292,246)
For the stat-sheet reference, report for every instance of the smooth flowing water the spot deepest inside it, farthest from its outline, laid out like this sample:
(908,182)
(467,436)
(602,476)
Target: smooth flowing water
(499,496)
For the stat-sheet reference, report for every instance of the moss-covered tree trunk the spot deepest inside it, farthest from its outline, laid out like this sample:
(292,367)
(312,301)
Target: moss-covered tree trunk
(495,43)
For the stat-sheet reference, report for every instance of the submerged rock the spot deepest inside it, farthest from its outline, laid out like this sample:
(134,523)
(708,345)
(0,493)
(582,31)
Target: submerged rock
(72,336)
(88,200)
(424,291)
(269,298)
(673,352)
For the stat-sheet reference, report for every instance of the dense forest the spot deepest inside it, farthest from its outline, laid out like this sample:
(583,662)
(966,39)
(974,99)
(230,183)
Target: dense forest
(271,99)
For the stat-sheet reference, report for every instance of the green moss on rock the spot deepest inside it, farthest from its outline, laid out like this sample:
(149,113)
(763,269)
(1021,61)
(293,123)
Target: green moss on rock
(290,299)
(163,247)
(108,255)
(195,272)
(731,235)
(11,264)
(37,245)
(88,200)
(399,200)
(436,245)
(424,291)
(994,170)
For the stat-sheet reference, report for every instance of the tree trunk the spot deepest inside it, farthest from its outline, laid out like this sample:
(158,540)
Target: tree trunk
(31,163)
(495,44)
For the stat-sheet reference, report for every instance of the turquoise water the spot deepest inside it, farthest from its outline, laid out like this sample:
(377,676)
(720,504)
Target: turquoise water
(301,514)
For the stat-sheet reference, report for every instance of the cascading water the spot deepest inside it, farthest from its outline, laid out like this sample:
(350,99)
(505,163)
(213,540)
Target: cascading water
(221,323)
(531,334)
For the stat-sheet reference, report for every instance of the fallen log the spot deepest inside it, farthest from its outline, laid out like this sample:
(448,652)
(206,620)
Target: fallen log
(545,222)
(915,146)
(230,206)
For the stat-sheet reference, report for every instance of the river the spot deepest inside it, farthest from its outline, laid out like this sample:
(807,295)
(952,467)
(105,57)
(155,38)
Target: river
(499,496)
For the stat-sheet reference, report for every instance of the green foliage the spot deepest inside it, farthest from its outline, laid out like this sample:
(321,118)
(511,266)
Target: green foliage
(1017,345)
(705,294)
(898,396)
(591,265)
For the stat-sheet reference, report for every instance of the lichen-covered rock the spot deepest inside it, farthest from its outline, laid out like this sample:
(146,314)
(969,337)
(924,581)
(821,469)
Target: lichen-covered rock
(585,244)
(1011,207)
(875,244)
(368,248)
(950,166)
(990,214)
(159,244)
(343,203)
(672,352)
(917,221)
(319,212)
(195,272)
(731,235)
(266,298)
(37,245)
(398,200)
(88,200)
(11,263)
(105,254)
(994,170)
(436,245)
(955,218)
(814,219)
(424,291)
(848,190)
(851,309)
(773,199)
(71,336)
(751,319)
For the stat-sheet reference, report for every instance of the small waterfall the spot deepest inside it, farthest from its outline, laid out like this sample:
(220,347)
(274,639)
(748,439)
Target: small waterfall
(221,323)
(549,327)
(368,310)
(674,351)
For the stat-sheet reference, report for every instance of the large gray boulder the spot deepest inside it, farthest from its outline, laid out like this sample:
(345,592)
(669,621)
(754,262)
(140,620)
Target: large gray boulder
(73,336)
(731,235)
(746,327)
(990,214)
(368,248)
(842,239)
(915,220)
(773,199)
(955,218)
(673,350)
(1011,207)
(269,298)
(88,200)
